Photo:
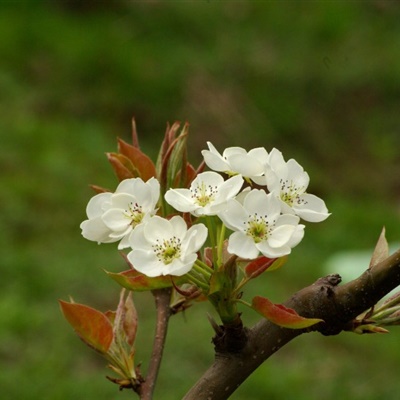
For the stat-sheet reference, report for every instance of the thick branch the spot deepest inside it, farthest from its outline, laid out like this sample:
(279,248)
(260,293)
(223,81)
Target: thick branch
(162,299)
(336,305)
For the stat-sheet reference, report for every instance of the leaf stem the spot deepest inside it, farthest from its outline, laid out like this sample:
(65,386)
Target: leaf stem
(204,266)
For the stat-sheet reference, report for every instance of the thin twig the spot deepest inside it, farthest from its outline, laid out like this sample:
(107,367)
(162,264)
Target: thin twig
(164,312)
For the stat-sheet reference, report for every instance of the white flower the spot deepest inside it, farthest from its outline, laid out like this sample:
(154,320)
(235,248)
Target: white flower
(113,216)
(236,160)
(259,226)
(288,181)
(165,247)
(207,195)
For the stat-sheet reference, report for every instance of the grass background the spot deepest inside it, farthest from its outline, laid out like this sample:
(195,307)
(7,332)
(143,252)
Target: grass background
(317,79)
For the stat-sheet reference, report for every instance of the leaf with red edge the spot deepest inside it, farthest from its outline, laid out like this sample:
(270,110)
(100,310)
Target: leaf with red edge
(138,282)
(258,266)
(281,315)
(142,163)
(92,326)
(122,166)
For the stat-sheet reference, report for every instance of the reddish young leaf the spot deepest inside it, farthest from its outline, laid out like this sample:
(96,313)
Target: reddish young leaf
(99,189)
(93,327)
(125,320)
(258,266)
(121,166)
(281,315)
(135,140)
(169,136)
(190,174)
(139,160)
(135,281)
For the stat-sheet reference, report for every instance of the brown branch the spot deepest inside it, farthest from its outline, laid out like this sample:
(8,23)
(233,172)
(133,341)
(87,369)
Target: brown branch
(162,299)
(336,305)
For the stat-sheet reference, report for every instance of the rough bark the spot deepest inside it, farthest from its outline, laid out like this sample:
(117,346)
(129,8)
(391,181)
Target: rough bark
(338,305)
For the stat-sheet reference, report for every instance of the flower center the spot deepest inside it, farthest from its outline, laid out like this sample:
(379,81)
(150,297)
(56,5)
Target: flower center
(290,193)
(134,213)
(258,227)
(167,250)
(204,194)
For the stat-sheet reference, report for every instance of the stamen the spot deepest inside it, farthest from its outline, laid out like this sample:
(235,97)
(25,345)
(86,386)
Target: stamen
(204,194)
(258,227)
(167,250)
(290,193)
(134,213)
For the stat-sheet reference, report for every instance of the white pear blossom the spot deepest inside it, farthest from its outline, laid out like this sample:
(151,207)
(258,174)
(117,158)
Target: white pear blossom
(207,195)
(165,247)
(113,216)
(288,181)
(259,226)
(236,160)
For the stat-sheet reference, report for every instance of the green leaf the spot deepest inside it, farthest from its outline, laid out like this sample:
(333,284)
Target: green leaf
(281,315)
(93,327)
(279,262)
(138,282)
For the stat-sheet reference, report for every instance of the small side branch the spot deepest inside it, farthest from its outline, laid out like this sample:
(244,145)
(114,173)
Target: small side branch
(163,313)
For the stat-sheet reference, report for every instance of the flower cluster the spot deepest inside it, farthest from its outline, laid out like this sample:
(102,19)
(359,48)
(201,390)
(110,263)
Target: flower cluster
(263,220)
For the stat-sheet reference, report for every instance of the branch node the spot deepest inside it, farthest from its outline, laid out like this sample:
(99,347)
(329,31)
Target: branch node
(230,338)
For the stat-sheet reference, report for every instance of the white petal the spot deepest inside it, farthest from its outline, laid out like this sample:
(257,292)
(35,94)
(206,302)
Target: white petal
(260,154)
(158,229)
(95,230)
(122,200)
(260,180)
(232,151)
(285,208)
(208,178)
(234,216)
(116,220)
(281,235)
(297,174)
(154,188)
(230,188)
(98,204)
(124,243)
(311,209)
(214,159)
(146,262)
(277,163)
(287,219)
(179,226)
(246,165)
(297,236)
(194,239)
(242,245)
(137,239)
(180,267)
(271,252)
(272,181)
(126,186)
(181,200)
(257,201)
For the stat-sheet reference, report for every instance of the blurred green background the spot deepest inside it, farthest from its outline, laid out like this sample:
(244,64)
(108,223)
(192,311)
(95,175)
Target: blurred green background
(320,80)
